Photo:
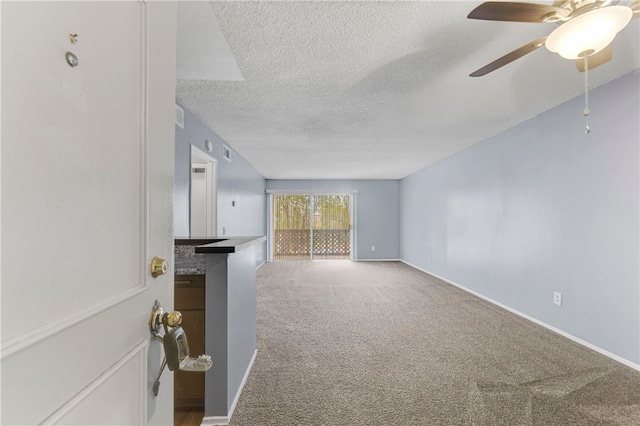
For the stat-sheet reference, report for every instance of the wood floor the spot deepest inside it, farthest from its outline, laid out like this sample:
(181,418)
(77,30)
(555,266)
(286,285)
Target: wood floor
(188,418)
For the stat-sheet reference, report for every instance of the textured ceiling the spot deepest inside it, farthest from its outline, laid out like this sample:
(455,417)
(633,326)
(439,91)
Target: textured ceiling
(377,90)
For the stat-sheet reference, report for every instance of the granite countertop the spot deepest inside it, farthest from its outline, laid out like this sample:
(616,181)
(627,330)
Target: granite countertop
(190,252)
(187,261)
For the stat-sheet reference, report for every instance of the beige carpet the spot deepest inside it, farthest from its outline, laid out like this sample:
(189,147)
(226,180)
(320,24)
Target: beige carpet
(380,343)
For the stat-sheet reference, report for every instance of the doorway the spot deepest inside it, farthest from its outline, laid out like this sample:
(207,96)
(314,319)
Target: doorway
(203,195)
(311,226)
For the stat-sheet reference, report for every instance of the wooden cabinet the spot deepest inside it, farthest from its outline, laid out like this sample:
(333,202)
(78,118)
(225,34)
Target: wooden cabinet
(189,300)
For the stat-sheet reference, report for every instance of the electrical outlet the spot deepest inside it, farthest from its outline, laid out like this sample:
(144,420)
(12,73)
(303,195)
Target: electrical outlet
(557,298)
(373,248)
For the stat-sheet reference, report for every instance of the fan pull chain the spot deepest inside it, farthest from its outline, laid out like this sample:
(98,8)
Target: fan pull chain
(586,111)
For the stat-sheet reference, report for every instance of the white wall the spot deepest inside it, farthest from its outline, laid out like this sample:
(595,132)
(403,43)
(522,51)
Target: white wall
(543,207)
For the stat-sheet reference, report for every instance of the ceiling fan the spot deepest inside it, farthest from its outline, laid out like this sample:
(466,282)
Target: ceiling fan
(587,28)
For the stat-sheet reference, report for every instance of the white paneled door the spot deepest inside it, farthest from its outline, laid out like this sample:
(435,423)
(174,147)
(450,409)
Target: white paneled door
(88,91)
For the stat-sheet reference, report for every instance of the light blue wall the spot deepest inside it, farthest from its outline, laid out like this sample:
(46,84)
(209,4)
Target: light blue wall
(543,207)
(237,181)
(377,212)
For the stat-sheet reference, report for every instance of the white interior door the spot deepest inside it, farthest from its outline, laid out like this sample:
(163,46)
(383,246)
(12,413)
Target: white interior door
(87,178)
(200,199)
(203,194)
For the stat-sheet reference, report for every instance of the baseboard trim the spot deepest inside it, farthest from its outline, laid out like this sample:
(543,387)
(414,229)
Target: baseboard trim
(378,260)
(225,420)
(260,265)
(532,319)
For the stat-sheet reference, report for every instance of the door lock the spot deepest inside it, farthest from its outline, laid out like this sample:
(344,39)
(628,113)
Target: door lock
(174,341)
(159,267)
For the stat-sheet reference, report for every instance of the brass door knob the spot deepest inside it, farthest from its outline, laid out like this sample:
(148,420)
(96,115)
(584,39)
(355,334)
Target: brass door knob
(159,267)
(173,319)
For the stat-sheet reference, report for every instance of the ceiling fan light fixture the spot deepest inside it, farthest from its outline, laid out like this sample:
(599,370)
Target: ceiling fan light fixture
(588,33)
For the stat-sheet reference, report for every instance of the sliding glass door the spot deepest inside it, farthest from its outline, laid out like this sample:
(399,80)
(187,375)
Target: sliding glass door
(291,227)
(311,226)
(331,227)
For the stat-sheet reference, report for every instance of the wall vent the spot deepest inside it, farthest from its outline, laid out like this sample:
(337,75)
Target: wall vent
(226,152)
(179,117)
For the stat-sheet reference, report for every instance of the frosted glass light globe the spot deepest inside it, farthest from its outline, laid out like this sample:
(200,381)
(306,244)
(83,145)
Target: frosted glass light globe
(588,33)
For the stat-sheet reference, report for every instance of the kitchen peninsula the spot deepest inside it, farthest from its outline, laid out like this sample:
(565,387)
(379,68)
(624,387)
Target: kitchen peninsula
(215,288)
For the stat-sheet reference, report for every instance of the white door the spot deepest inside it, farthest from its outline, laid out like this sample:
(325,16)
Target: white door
(203,195)
(199,200)
(87,178)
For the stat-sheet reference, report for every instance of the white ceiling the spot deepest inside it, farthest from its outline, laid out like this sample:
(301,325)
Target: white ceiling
(202,50)
(369,90)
